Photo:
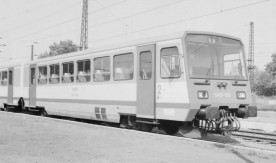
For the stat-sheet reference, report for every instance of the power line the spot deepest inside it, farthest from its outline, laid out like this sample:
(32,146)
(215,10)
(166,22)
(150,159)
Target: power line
(42,18)
(266,43)
(64,22)
(265,52)
(182,20)
(137,14)
(145,29)
(114,20)
(27,11)
(110,12)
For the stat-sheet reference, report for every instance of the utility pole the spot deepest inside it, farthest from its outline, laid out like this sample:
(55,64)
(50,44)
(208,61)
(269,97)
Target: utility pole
(32,50)
(251,54)
(84,26)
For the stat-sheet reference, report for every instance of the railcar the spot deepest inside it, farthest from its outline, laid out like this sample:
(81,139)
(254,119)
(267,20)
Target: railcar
(176,82)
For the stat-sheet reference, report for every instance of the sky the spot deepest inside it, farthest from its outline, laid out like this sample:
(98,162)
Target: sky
(42,22)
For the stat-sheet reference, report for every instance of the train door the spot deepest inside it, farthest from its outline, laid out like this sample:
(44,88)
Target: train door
(10,85)
(146,81)
(32,85)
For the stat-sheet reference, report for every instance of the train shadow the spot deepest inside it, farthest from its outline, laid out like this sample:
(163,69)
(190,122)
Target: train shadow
(220,139)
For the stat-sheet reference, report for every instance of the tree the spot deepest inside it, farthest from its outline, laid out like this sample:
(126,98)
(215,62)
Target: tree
(62,48)
(264,84)
(271,66)
(43,55)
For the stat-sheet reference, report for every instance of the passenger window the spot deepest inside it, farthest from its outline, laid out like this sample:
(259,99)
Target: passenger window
(145,65)
(101,69)
(42,77)
(123,66)
(32,76)
(54,74)
(4,78)
(83,72)
(68,72)
(170,63)
(10,77)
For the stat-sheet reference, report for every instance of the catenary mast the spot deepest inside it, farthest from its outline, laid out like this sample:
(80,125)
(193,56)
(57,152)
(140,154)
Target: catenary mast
(84,26)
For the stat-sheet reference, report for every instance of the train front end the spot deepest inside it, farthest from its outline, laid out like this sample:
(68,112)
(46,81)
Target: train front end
(218,82)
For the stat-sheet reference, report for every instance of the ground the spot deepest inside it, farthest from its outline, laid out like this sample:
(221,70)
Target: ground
(27,138)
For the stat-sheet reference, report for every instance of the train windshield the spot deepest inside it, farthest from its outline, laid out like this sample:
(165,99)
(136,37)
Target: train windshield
(215,57)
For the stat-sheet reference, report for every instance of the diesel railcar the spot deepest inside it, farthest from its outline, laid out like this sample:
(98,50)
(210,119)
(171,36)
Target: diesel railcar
(181,81)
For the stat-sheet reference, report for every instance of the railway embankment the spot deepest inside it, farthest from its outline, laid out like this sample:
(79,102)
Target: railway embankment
(265,121)
(27,138)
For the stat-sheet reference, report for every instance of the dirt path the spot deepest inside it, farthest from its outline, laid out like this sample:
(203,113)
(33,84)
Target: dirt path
(26,138)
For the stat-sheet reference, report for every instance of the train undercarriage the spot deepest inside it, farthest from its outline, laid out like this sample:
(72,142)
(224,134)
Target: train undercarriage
(210,120)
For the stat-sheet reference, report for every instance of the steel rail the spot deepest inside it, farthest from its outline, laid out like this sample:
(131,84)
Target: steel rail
(256,135)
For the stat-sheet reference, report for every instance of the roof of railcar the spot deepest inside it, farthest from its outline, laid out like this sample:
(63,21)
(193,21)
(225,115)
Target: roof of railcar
(114,47)
(120,46)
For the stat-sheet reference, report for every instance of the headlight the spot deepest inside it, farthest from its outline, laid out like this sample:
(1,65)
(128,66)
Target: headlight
(202,94)
(241,95)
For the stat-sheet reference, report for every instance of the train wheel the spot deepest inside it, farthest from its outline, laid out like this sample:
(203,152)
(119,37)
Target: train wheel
(21,105)
(123,122)
(171,128)
(43,113)
(144,127)
(8,108)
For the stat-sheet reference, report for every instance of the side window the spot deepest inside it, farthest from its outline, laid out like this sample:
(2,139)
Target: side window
(101,69)
(54,74)
(83,72)
(170,63)
(4,78)
(42,77)
(145,65)
(232,65)
(10,78)
(0,78)
(123,66)
(68,72)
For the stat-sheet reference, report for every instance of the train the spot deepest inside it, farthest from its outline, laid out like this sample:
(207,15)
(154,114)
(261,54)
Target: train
(178,82)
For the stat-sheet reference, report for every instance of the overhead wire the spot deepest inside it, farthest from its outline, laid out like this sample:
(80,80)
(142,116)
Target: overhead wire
(27,11)
(137,14)
(149,28)
(119,19)
(64,22)
(182,20)
(42,18)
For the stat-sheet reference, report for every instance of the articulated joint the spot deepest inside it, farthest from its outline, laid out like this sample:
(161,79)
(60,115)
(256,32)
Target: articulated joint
(208,113)
(247,111)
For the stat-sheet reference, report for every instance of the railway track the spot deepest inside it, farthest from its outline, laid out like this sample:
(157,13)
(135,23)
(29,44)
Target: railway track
(245,134)
(256,136)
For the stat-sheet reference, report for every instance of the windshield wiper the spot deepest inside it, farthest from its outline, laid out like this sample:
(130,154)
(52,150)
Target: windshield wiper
(208,74)
(238,84)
